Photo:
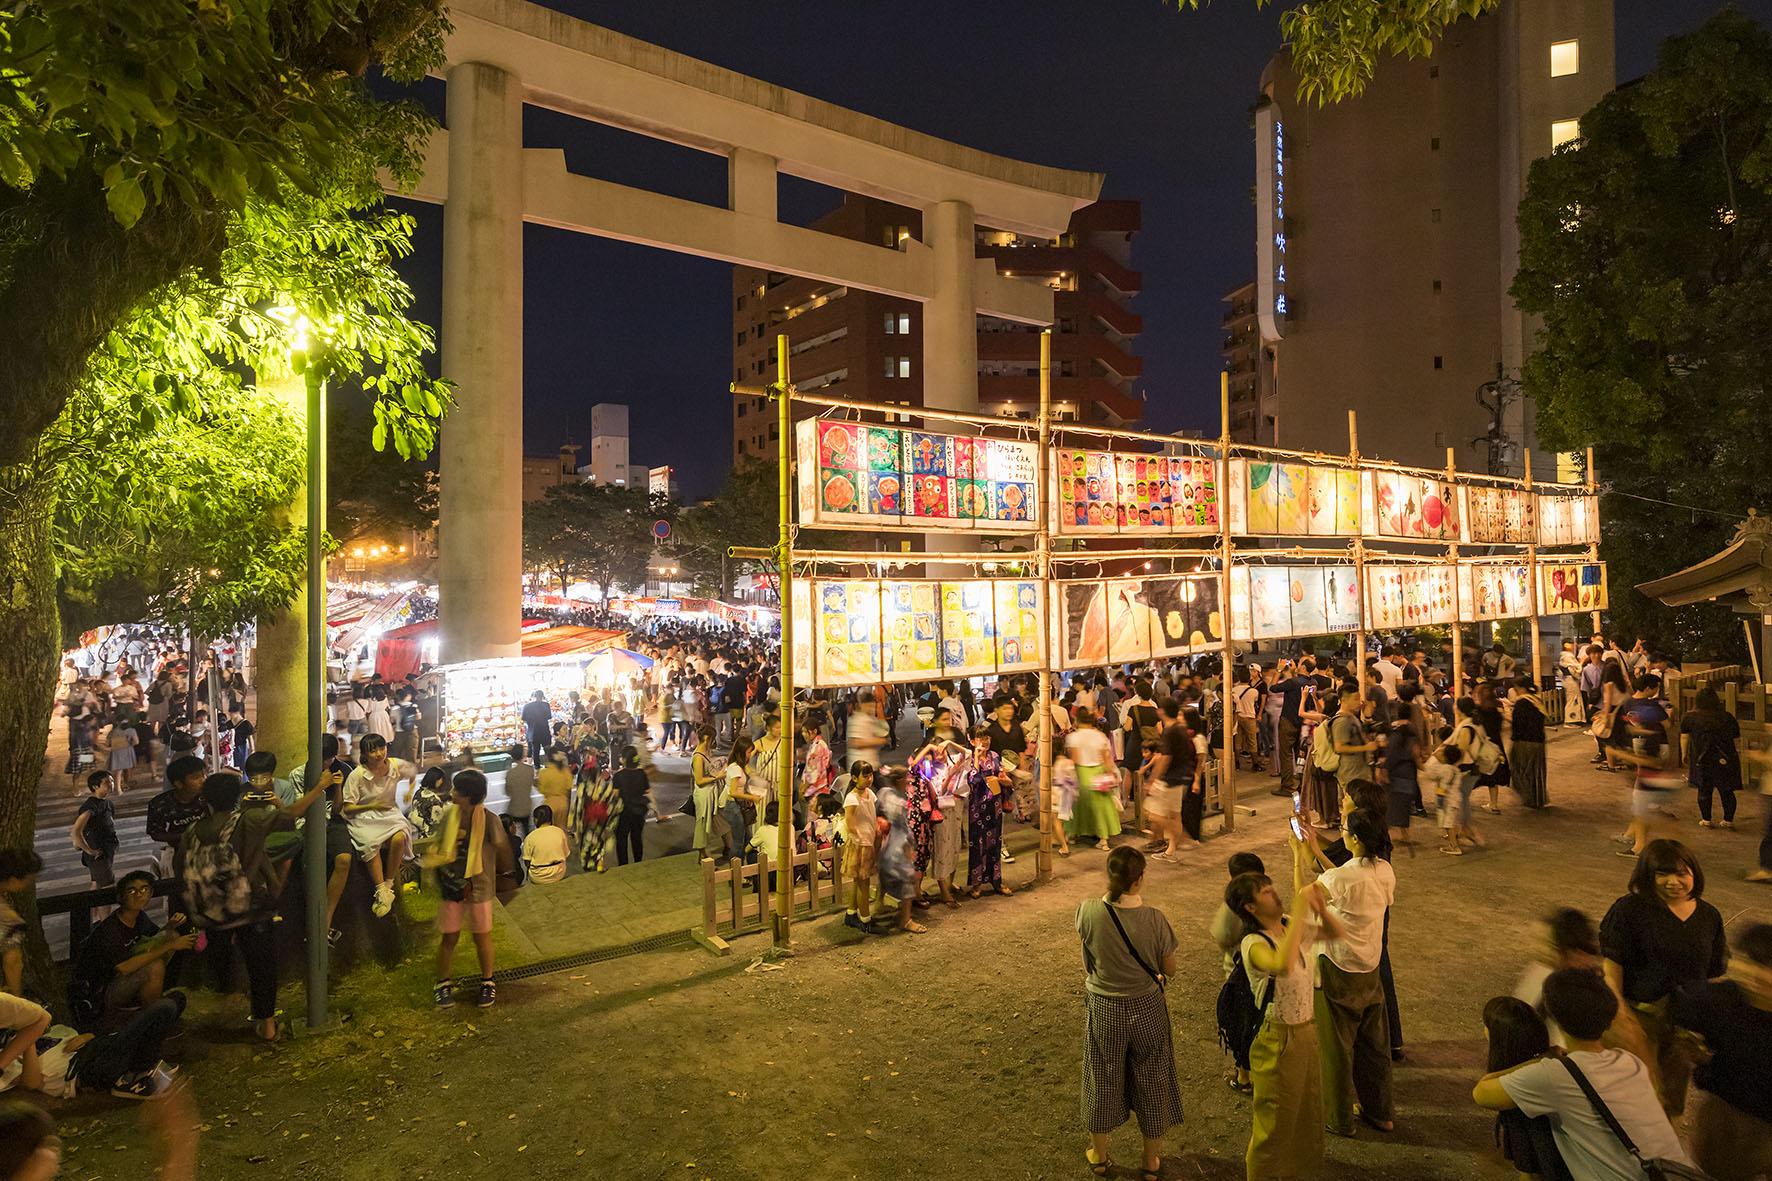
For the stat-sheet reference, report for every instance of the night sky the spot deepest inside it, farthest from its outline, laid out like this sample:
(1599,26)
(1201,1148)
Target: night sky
(1155,98)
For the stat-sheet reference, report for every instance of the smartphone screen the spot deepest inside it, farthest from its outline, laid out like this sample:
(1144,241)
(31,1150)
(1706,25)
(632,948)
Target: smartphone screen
(1297,828)
(1297,801)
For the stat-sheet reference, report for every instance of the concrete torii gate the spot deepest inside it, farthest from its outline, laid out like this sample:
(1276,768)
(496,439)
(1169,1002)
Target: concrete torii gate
(505,53)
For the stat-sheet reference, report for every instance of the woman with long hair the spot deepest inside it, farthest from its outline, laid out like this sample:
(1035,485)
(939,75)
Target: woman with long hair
(1128,1043)
(1661,935)
(1713,764)
(1526,756)
(1517,1035)
(1285,1068)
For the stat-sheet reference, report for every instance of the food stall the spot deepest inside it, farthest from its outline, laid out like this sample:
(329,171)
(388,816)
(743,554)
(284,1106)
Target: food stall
(483,699)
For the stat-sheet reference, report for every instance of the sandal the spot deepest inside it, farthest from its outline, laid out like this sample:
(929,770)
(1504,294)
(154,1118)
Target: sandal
(1155,1174)
(1005,891)
(916,928)
(1100,1168)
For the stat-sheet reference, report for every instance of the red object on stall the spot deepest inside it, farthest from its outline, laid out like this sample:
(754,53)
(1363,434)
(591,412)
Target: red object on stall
(400,652)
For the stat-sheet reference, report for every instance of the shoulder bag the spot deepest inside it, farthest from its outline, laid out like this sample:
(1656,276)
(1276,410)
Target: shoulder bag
(1162,981)
(1656,1169)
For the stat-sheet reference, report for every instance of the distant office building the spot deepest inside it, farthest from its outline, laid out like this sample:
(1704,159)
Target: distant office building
(1386,238)
(541,472)
(609,446)
(869,347)
(662,481)
(1249,362)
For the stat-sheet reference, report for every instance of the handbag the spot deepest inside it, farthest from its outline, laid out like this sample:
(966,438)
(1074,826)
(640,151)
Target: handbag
(1162,981)
(1655,1168)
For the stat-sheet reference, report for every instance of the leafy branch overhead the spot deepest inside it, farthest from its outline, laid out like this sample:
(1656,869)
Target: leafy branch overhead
(1336,45)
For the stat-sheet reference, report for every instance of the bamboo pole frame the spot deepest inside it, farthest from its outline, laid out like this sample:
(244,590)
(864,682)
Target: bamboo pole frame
(1227,762)
(1043,795)
(1532,593)
(1457,623)
(1593,550)
(784,751)
(1353,457)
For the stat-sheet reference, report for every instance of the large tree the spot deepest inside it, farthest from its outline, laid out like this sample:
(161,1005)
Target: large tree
(583,532)
(1646,246)
(171,174)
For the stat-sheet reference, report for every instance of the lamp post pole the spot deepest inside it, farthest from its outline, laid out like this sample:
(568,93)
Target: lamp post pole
(314,831)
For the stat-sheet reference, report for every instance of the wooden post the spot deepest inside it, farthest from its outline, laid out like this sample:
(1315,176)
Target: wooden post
(1227,763)
(1593,551)
(1043,569)
(784,563)
(1353,457)
(1532,593)
(1457,626)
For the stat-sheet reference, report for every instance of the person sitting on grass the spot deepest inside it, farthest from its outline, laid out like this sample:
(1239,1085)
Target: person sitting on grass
(467,856)
(123,964)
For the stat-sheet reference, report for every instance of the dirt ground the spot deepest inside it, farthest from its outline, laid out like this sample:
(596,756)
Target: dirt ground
(951,1054)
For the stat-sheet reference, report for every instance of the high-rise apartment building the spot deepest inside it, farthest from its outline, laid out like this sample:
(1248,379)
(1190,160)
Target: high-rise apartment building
(1386,237)
(541,472)
(869,347)
(609,447)
(1249,362)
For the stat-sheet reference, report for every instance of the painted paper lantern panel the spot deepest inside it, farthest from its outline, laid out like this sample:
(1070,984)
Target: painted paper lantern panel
(1262,499)
(841,462)
(806,637)
(929,467)
(1501,516)
(1500,590)
(1270,603)
(1009,475)
(1193,494)
(1415,508)
(1341,598)
(1410,596)
(847,622)
(1185,613)
(1083,623)
(911,629)
(1347,503)
(1570,587)
(1017,624)
(968,611)
(1292,494)
(1568,519)
(1084,498)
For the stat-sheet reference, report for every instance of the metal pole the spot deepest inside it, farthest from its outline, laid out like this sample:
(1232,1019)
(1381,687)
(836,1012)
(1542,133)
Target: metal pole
(314,857)
(1353,458)
(1457,626)
(784,753)
(1227,763)
(1593,551)
(1043,569)
(1532,593)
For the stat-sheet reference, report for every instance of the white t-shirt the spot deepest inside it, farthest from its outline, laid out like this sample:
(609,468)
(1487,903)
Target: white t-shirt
(1389,677)
(544,852)
(1358,892)
(1088,747)
(1587,1145)
(1530,988)
(1294,993)
(866,809)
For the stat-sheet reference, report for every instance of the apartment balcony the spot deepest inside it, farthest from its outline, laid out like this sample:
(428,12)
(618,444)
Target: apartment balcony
(1118,318)
(1024,347)
(1033,261)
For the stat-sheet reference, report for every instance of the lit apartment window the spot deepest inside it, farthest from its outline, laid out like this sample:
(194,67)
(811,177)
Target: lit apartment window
(891,323)
(904,323)
(898,366)
(1565,58)
(1565,131)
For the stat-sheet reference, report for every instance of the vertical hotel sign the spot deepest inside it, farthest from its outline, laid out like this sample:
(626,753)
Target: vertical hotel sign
(1270,220)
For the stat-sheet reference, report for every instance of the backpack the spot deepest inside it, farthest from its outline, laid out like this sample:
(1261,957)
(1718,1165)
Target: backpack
(717,699)
(217,891)
(1482,750)
(1323,756)
(1239,1014)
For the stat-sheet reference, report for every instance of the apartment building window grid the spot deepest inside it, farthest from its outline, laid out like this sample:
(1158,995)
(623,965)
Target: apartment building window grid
(898,323)
(898,366)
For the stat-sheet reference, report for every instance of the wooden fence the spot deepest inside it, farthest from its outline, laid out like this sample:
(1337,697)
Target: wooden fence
(738,899)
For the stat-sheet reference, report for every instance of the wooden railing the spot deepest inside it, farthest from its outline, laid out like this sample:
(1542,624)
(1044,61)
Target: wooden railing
(737,899)
(79,907)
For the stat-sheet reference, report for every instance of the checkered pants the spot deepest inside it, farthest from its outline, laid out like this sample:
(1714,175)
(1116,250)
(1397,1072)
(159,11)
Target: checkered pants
(1129,1064)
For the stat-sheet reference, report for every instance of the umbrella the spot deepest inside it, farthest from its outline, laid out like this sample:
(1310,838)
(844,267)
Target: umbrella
(615,662)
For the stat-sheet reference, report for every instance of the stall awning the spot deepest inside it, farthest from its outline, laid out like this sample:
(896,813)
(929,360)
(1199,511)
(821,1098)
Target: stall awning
(401,651)
(566,640)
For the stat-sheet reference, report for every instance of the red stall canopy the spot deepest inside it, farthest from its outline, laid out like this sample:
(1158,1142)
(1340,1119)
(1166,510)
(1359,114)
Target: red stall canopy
(401,651)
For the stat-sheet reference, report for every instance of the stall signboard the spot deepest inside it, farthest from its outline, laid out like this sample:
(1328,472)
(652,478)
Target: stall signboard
(1118,492)
(1287,602)
(1407,506)
(1294,499)
(1501,516)
(1568,518)
(1113,620)
(1402,596)
(866,631)
(853,475)
(1494,590)
(1567,587)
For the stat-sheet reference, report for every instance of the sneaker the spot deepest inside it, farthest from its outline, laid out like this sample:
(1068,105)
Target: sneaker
(1760,875)
(488,994)
(384,901)
(853,920)
(1631,853)
(144,1084)
(334,936)
(444,994)
(1007,860)
(1705,824)
(1452,850)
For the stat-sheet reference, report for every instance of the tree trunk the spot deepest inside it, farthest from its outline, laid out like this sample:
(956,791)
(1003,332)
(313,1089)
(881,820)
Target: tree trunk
(30,646)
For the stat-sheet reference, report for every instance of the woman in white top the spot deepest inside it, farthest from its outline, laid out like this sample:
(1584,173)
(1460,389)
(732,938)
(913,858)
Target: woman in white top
(1096,814)
(1286,1127)
(711,830)
(1353,1027)
(376,718)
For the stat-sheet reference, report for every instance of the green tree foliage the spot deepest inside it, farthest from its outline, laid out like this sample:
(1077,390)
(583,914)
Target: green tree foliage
(745,512)
(1645,247)
(1337,44)
(599,533)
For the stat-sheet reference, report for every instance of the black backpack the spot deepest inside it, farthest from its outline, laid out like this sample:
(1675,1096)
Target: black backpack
(1239,1014)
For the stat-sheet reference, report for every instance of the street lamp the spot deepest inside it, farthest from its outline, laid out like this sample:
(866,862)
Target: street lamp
(307,354)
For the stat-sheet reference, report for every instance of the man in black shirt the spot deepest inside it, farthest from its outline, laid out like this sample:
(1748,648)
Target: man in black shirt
(178,807)
(538,720)
(123,963)
(1732,1131)
(1009,739)
(1295,693)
